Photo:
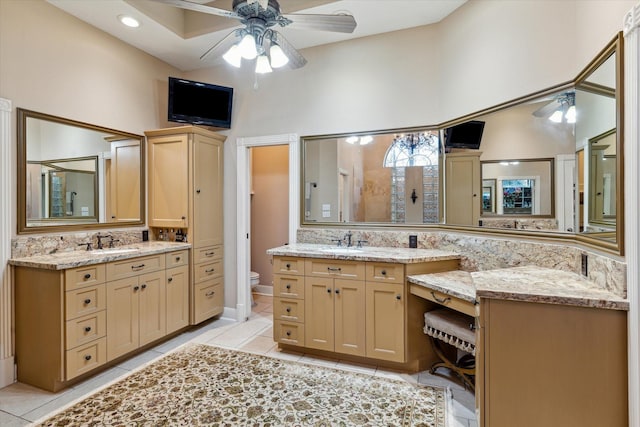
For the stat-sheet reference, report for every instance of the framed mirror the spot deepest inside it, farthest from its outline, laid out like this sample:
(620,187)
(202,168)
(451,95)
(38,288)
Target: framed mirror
(347,179)
(73,175)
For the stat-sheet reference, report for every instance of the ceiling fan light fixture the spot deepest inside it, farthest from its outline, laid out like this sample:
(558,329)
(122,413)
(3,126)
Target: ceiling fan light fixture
(247,47)
(233,56)
(556,117)
(571,114)
(278,58)
(262,65)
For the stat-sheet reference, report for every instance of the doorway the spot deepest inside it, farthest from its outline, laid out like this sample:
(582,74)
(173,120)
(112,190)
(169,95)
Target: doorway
(244,235)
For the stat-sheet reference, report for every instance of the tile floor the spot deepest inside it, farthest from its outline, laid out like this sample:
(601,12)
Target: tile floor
(21,404)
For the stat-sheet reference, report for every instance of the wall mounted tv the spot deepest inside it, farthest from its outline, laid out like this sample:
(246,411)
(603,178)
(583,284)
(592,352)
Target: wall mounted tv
(199,103)
(465,135)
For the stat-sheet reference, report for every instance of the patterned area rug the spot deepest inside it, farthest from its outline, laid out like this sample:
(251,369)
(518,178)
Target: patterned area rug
(204,385)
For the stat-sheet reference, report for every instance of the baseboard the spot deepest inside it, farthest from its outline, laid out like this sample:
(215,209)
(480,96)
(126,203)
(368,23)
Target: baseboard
(229,313)
(7,371)
(262,289)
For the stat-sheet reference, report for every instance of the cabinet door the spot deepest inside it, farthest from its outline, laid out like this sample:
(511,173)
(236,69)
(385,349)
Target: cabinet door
(153,308)
(207,192)
(385,321)
(318,312)
(125,182)
(122,317)
(168,181)
(177,298)
(349,306)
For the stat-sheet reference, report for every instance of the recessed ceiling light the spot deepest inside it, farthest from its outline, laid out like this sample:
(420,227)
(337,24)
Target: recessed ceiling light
(129,21)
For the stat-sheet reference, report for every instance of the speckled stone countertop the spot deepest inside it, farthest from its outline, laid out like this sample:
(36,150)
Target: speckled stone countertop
(367,253)
(72,259)
(527,283)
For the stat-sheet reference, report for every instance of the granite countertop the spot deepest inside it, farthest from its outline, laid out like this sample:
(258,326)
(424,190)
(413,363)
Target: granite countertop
(367,253)
(72,259)
(527,283)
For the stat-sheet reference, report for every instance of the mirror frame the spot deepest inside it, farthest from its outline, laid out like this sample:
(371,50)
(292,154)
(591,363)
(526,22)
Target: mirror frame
(23,228)
(588,239)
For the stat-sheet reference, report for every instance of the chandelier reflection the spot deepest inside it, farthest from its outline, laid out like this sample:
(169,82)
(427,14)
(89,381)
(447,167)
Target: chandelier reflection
(413,149)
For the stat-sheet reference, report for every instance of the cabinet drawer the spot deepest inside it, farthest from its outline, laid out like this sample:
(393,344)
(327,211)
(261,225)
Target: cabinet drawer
(288,332)
(176,259)
(288,286)
(288,265)
(84,276)
(133,267)
(85,358)
(207,254)
(85,329)
(333,268)
(83,301)
(209,300)
(453,303)
(291,310)
(208,271)
(385,272)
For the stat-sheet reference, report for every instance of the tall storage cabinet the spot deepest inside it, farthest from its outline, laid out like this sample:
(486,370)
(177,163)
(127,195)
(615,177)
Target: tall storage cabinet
(186,193)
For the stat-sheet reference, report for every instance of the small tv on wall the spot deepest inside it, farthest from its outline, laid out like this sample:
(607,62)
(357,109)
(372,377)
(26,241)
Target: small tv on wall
(465,135)
(199,103)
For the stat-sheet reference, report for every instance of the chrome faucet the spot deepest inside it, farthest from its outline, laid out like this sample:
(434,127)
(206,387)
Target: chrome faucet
(348,237)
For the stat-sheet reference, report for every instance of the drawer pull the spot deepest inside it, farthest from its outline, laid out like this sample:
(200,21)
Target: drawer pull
(209,253)
(135,288)
(144,286)
(135,267)
(288,333)
(335,269)
(87,276)
(87,301)
(288,287)
(209,294)
(87,357)
(211,270)
(288,266)
(440,300)
(177,259)
(288,309)
(398,297)
(383,272)
(170,279)
(87,329)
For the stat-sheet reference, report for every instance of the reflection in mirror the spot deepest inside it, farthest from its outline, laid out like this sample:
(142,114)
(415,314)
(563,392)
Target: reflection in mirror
(518,187)
(75,175)
(373,178)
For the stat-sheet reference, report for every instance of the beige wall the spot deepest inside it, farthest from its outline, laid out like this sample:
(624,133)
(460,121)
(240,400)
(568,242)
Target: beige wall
(269,206)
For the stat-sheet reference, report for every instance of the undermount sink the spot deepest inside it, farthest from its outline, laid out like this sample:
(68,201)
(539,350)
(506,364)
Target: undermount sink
(113,251)
(341,250)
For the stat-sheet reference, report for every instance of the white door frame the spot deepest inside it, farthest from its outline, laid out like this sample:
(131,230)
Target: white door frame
(243,244)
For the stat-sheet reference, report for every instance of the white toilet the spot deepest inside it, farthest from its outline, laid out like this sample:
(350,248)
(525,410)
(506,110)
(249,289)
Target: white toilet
(255,281)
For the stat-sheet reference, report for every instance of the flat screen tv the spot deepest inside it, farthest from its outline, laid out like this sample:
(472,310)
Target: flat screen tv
(199,103)
(465,135)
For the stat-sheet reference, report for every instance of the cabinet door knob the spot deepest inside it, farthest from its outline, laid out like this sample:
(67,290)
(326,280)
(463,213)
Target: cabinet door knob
(170,279)
(144,286)
(87,357)
(135,288)
(337,291)
(87,329)
(198,191)
(87,276)
(113,217)
(87,301)
(383,272)
(184,217)
(398,297)
(328,290)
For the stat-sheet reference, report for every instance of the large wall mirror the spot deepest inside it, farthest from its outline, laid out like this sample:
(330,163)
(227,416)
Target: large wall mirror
(74,175)
(549,164)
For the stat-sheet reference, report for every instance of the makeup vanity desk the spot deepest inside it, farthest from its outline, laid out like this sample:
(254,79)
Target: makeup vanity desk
(551,348)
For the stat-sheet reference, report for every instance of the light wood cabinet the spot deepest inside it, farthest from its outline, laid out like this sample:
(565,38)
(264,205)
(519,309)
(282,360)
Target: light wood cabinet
(463,188)
(360,310)
(74,321)
(124,198)
(527,349)
(186,192)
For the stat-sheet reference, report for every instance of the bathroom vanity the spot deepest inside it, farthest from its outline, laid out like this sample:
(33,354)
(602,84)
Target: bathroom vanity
(79,311)
(354,303)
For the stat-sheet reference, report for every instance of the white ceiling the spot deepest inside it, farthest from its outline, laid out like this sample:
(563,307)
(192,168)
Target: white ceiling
(180,37)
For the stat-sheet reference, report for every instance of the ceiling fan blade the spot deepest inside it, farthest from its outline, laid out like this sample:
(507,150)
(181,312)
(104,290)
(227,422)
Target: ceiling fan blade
(334,23)
(296,60)
(548,109)
(222,46)
(189,5)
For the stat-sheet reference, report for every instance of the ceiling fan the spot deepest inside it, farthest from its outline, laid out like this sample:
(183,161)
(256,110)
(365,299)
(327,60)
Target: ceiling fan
(258,38)
(561,106)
